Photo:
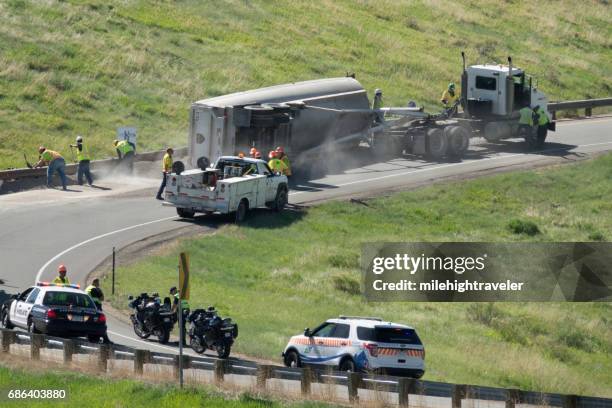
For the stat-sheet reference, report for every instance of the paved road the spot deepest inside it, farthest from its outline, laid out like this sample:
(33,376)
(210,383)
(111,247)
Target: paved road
(40,229)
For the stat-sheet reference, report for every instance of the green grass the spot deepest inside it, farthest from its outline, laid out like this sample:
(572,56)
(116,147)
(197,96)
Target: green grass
(82,389)
(277,274)
(87,66)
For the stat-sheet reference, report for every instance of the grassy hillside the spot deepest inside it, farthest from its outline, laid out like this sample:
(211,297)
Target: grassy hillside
(87,390)
(278,274)
(87,66)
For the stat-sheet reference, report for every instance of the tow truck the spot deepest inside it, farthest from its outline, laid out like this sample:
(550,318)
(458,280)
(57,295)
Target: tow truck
(234,184)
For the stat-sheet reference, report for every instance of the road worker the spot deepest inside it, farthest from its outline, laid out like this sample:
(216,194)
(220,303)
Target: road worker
(258,155)
(526,120)
(83,159)
(276,165)
(61,278)
(280,152)
(125,152)
(449,96)
(377,104)
(166,169)
(96,293)
(184,306)
(543,120)
(252,152)
(55,163)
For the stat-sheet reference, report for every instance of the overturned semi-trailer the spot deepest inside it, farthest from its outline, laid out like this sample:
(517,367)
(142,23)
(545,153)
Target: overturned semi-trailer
(303,117)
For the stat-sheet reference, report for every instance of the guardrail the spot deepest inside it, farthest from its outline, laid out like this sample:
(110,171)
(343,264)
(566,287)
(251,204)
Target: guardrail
(586,104)
(404,387)
(15,174)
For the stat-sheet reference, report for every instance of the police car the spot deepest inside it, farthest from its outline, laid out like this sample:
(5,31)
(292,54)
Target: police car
(55,309)
(364,344)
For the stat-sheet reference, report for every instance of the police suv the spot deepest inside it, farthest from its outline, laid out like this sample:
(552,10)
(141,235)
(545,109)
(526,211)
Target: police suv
(359,344)
(55,309)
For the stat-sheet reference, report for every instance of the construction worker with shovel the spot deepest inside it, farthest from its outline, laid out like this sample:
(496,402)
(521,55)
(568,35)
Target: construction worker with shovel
(55,163)
(83,160)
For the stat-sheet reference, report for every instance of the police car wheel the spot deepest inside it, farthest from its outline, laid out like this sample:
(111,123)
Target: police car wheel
(347,365)
(292,359)
(32,326)
(93,339)
(6,321)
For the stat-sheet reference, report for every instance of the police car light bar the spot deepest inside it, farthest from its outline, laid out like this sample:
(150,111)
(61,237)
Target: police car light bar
(63,285)
(378,319)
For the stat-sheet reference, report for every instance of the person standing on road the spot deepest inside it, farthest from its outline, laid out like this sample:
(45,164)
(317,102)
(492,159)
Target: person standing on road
(55,163)
(61,279)
(280,152)
(166,169)
(377,103)
(526,120)
(175,309)
(275,164)
(542,122)
(96,293)
(125,152)
(83,160)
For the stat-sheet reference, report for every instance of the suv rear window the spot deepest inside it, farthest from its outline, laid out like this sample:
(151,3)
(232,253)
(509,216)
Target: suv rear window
(67,299)
(388,335)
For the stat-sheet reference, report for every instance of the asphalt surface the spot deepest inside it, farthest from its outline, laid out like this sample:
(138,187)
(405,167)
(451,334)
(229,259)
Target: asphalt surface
(43,228)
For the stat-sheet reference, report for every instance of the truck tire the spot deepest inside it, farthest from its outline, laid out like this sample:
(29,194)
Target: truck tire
(184,213)
(203,163)
(437,143)
(458,140)
(281,199)
(178,167)
(241,211)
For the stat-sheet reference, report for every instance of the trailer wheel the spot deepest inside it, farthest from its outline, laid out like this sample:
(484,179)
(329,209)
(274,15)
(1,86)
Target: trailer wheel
(458,140)
(184,213)
(241,211)
(437,143)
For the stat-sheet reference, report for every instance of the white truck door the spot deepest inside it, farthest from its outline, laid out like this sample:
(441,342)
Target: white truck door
(207,133)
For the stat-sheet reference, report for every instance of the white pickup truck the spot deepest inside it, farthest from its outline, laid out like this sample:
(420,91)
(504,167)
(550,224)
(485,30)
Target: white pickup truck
(233,184)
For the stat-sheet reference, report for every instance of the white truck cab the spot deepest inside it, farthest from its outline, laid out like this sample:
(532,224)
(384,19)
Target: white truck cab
(232,184)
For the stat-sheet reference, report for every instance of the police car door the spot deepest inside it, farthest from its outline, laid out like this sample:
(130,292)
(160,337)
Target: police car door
(22,307)
(321,351)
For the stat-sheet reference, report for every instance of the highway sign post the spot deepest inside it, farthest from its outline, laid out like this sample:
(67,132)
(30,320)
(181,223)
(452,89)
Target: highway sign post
(183,269)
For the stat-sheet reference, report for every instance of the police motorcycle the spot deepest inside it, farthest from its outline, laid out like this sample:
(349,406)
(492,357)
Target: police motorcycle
(151,317)
(208,331)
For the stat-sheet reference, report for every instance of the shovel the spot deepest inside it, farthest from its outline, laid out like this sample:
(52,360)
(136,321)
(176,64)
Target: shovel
(27,162)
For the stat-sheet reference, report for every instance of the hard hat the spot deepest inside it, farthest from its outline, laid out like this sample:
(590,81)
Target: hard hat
(280,149)
(253,151)
(258,155)
(115,142)
(377,92)
(272,154)
(41,149)
(79,139)
(451,85)
(61,268)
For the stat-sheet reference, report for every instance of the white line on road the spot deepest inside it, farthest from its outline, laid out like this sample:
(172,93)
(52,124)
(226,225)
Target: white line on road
(87,241)
(449,165)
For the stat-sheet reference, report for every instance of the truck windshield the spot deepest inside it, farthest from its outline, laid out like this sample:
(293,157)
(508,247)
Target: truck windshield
(67,299)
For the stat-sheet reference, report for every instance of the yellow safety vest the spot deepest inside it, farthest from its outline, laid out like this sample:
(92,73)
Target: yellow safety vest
(83,153)
(277,166)
(285,160)
(526,116)
(184,303)
(450,99)
(50,155)
(124,147)
(167,163)
(88,291)
(543,117)
(59,280)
